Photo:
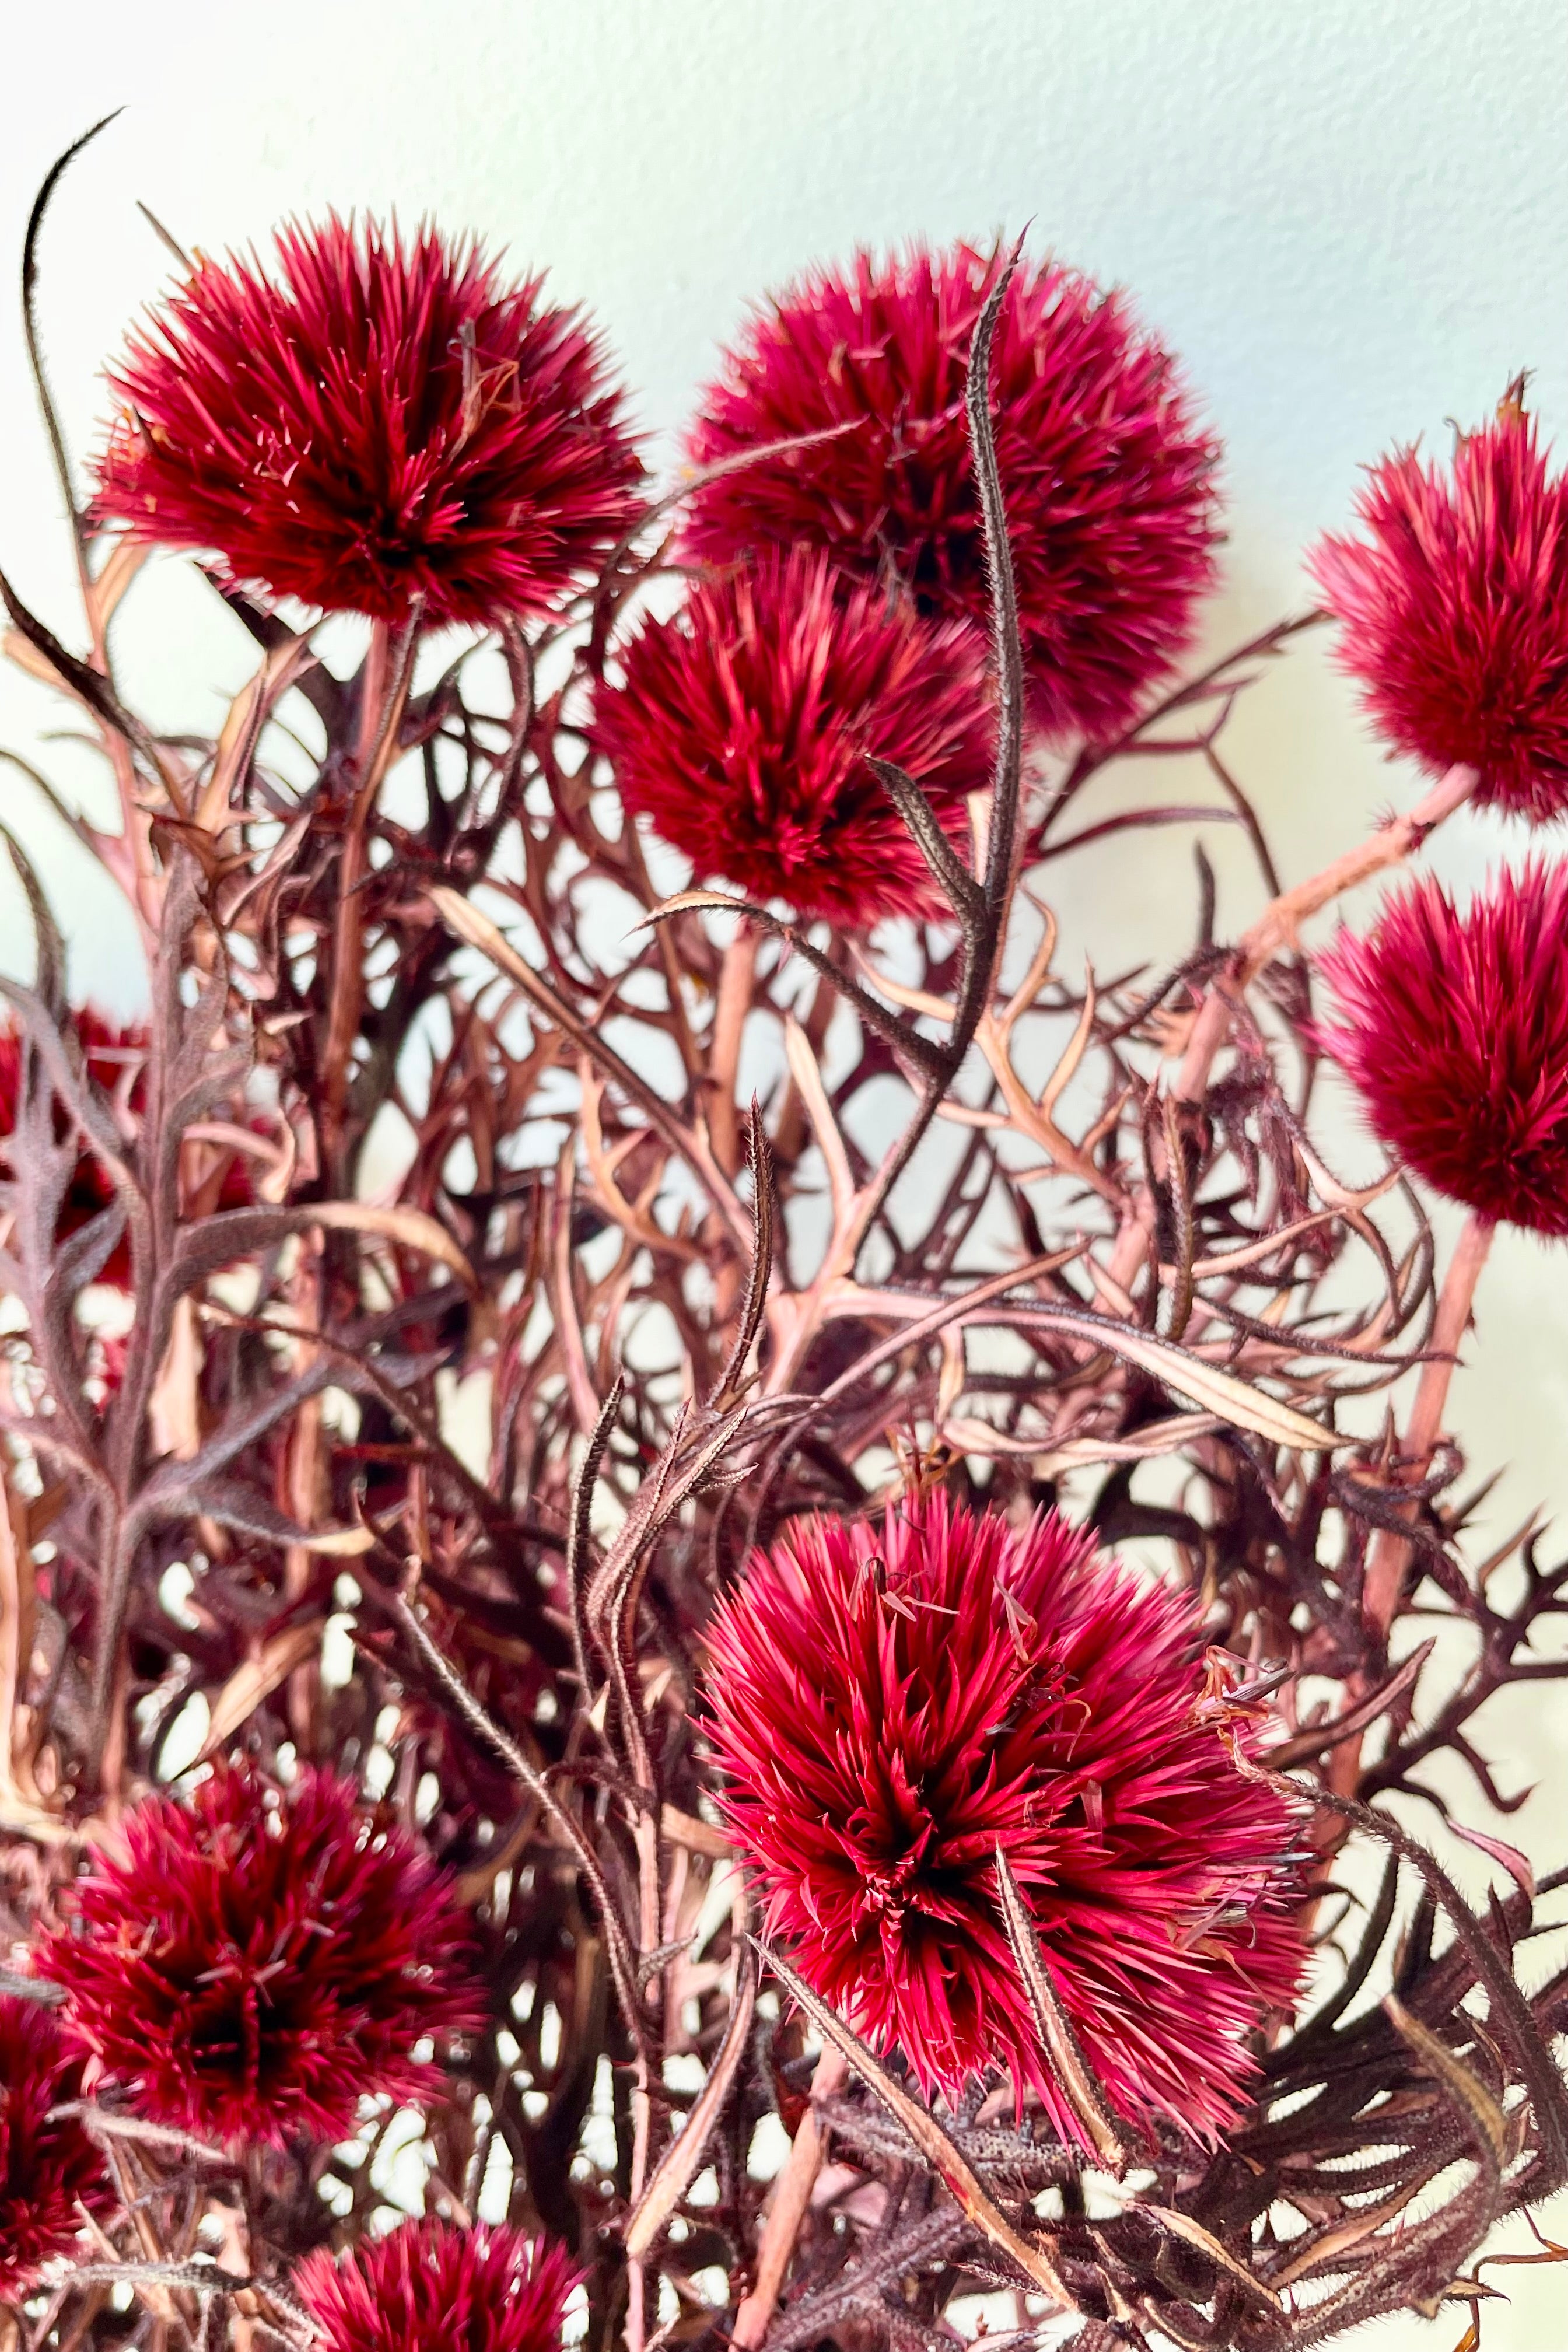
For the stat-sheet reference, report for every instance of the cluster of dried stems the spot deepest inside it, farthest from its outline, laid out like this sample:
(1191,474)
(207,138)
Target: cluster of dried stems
(696,1316)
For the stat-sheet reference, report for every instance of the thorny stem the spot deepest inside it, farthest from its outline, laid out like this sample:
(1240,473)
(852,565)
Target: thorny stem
(1215,681)
(1278,924)
(791,2199)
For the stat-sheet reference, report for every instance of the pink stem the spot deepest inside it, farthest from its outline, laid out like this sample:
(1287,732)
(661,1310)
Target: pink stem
(736,976)
(1390,1553)
(792,2196)
(1277,925)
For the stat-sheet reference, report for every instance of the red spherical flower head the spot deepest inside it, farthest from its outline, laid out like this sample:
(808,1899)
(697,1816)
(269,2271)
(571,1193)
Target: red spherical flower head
(489,2290)
(891,1704)
(1453,611)
(384,419)
(1454,1026)
(49,2168)
(251,1966)
(1107,475)
(742,727)
(115,1057)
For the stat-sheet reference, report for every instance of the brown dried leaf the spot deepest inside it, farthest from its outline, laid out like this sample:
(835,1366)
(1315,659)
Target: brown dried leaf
(1079,2084)
(411,1227)
(927,2134)
(677,2167)
(1474,2101)
(259,1676)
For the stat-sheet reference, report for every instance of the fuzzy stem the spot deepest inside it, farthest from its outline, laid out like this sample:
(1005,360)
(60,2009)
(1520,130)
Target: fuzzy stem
(733,1002)
(1390,1553)
(1277,925)
(792,2196)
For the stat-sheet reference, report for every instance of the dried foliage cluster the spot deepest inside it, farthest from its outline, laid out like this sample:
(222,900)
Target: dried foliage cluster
(455,1872)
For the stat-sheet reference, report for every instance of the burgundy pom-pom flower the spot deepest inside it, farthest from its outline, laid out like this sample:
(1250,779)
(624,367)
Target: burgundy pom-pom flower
(115,1056)
(1454,1026)
(1453,611)
(890,1704)
(742,726)
(1107,475)
(251,1967)
(49,2168)
(384,419)
(489,2290)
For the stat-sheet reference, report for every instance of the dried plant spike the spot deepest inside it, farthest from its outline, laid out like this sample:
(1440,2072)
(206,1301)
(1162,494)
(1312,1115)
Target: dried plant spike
(1486,2123)
(679,2165)
(764,1210)
(1192,2233)
(1073,2072)
(927,2134)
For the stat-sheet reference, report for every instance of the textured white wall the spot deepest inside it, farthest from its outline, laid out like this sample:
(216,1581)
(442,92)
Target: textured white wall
(1350,216)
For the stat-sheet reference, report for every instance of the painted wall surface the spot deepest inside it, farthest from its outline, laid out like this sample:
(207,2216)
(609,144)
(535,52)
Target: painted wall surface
(1350,216)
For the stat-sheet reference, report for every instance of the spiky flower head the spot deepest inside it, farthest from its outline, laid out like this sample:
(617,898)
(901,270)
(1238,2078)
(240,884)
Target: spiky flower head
(251,1965)
(743,724)
(1453,1023)
(382,418)
(1453,611)
(426,2283)
(890,1704)
(114,1056)
(49,2168)
(1107,474)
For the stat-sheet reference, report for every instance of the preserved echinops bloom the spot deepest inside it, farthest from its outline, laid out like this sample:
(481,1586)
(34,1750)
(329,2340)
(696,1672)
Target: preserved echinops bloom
(426,2283)
(385,419)
(744,724)
(1454,1025)
(1107,476)
(1453,611)
(891,1703)
(251,1966)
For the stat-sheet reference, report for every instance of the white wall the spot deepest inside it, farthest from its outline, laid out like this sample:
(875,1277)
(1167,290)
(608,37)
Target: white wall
(1350,216)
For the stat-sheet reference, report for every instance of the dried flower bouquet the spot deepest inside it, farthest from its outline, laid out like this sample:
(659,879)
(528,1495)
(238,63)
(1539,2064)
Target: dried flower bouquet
(859,1793)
